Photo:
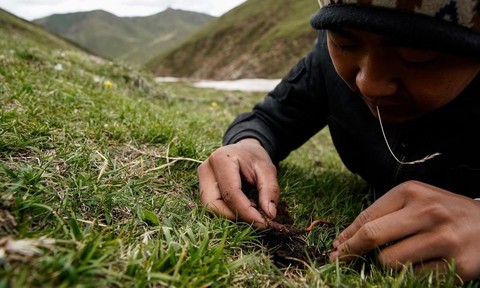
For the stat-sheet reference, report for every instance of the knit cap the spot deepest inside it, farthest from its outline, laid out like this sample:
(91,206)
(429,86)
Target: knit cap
(451,25)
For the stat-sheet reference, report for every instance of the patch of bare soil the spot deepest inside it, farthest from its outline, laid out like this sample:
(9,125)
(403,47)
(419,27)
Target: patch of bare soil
(287,243)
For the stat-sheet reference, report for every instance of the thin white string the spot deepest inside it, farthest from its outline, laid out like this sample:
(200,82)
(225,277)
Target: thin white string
(426,158)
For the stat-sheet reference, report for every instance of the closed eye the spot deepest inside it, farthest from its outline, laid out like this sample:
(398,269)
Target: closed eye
(343,47)
(418,56)
(342,40)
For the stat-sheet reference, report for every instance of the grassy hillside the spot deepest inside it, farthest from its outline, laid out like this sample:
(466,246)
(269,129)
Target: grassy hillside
(98,184)
(133,39)
(20,29)
(260,38)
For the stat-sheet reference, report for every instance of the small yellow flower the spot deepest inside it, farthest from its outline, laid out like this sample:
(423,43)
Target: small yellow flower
(214,104)
(107,84)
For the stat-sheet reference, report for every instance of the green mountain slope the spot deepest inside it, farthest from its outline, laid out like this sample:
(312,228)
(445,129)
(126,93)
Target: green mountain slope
(20,29)
(261,38)
(133,39)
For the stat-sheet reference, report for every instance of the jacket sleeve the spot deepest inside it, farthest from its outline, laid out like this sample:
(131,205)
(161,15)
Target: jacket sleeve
(290,114)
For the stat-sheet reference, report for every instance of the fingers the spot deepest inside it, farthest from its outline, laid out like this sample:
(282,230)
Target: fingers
(259,170)
(392,217)
(210,194)
(441,267)
(435,265)
(418,224)
(220,178)
(438,268)
(416,249)
(377,232)
(229,182)
(386,204)
(268,189)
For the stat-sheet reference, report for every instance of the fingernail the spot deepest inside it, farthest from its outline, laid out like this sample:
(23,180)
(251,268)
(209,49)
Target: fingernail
(272,209)
(262,224)
(335,243)
(334,255)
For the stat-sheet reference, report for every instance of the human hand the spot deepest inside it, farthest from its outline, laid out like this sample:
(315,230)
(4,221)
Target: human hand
(428,226)
(220,179)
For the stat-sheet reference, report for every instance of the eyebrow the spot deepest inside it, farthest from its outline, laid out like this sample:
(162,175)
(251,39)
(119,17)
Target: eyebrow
(342,32)
(386,40)
(404,43)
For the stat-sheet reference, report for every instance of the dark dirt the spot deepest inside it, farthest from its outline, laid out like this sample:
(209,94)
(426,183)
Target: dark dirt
(287,243)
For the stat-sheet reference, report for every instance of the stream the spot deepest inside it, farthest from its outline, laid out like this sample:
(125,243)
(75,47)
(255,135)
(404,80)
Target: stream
(246,85)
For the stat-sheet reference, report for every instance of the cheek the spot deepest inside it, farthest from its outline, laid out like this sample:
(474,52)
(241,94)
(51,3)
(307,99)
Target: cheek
(435,89)
(345,66)
(426,92)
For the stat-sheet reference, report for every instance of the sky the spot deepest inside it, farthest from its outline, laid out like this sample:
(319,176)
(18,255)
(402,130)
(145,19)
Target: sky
(34,9)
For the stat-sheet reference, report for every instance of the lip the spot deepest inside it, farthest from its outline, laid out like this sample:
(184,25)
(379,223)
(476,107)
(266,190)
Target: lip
(394,113)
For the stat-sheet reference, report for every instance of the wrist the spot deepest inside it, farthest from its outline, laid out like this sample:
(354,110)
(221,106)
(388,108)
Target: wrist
(252,141)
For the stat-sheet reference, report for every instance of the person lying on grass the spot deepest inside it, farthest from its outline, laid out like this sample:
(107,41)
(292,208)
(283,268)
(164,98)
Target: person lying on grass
(398,85)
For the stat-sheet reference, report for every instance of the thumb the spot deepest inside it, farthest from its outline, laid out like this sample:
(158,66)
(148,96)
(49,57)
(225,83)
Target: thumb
(268,191)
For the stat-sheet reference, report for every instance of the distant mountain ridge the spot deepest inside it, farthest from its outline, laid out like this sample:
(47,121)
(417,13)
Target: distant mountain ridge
(133,39)
(19,28)
(260,38)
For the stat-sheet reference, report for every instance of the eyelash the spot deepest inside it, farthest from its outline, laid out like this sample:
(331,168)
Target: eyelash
(344,47)
(352,48)
(420,64)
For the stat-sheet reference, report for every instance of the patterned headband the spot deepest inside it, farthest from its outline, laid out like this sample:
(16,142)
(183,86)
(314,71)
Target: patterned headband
(464,13)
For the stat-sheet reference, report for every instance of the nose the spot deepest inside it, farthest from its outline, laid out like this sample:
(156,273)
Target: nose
(376,77)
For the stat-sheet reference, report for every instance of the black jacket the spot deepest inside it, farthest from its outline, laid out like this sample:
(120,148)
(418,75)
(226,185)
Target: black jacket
(312,96)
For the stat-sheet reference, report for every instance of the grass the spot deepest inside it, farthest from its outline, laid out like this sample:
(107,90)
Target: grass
(98,184)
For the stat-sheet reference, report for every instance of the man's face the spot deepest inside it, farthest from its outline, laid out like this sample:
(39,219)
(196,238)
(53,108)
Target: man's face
(404,82)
